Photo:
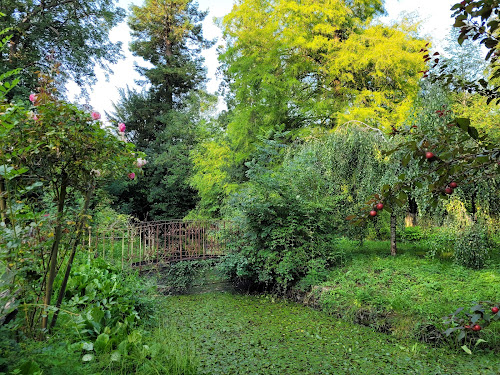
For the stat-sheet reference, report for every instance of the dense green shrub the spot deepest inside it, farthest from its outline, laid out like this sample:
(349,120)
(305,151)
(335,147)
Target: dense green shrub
(440,242)
(105,297)
(181,276)
(412,234)
(472,247)
(275,238)
(293,207)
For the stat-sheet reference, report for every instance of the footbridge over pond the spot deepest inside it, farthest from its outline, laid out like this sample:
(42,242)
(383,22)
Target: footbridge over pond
(155,244)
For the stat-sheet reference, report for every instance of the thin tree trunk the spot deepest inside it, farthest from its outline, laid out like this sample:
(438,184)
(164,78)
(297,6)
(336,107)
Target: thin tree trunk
(473,204)
(3,206)
(393,234)
(55,248)
(78,236)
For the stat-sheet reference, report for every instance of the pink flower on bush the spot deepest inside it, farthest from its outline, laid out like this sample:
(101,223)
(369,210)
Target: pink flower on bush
(121,127)
(140,162)
(131,175)
(32,98)
(96,115)
(32,115)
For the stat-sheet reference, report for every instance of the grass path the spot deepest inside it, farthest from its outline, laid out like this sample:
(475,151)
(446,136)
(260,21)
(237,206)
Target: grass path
(235,334)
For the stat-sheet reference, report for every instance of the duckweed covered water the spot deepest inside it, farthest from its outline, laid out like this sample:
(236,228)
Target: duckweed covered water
(240,334)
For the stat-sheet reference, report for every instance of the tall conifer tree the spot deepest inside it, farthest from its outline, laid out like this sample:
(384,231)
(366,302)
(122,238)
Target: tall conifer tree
(162,119)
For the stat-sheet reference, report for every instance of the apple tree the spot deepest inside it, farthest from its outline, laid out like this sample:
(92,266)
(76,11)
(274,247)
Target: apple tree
(455,153)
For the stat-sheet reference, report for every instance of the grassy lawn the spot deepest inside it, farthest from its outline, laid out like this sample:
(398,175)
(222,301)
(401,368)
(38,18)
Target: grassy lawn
(237,334)
(409,290)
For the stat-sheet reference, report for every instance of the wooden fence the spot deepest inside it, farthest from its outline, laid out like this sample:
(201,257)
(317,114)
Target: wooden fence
(158,242)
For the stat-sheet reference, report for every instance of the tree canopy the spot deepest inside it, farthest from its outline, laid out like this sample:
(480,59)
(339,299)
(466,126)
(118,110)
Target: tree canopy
(294,65)
(73,32)
(162,120)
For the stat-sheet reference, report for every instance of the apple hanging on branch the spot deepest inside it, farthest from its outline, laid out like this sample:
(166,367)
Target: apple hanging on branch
(464,156)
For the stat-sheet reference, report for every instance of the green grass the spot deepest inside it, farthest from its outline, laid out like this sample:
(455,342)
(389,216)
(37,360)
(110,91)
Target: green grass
(236,334)
(408,288)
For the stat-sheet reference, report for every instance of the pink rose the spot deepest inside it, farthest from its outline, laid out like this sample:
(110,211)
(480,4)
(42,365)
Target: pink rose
(96,115)
(131,175)
(32,98)
(140,162)
(35,117)
(121,127)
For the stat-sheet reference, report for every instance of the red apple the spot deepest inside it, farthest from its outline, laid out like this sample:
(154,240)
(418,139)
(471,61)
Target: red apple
(373,213)
(467,327)
(494,309)
(476,328)
(453,185)
(448,190)
(429,155)
(379,206)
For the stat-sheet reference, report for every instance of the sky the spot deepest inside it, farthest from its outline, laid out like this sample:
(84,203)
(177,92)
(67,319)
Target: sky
(433,14)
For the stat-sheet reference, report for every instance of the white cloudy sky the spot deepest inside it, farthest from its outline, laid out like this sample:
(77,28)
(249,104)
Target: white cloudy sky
(434,15)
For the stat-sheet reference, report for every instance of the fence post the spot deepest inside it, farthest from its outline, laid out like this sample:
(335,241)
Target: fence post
(103,244)
(157,245)
(123,247)
(140,245)
(112,240)
(131,253)
(90,241)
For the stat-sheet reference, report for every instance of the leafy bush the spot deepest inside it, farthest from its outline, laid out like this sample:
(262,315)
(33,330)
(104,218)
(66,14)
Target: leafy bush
(472,246)
(276,234)
(412,234)
(180,277)
(104,296)
(440,242)
(466,328)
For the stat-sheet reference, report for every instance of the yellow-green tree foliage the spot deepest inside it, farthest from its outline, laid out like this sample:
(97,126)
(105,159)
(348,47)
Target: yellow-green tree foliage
(211,178)
(300,68)
(293,64)
(486,118)
(379,68)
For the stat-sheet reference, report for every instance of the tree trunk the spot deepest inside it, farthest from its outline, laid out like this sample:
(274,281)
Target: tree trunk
(55,248)
(393,234)
(78,236)
(411,216)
